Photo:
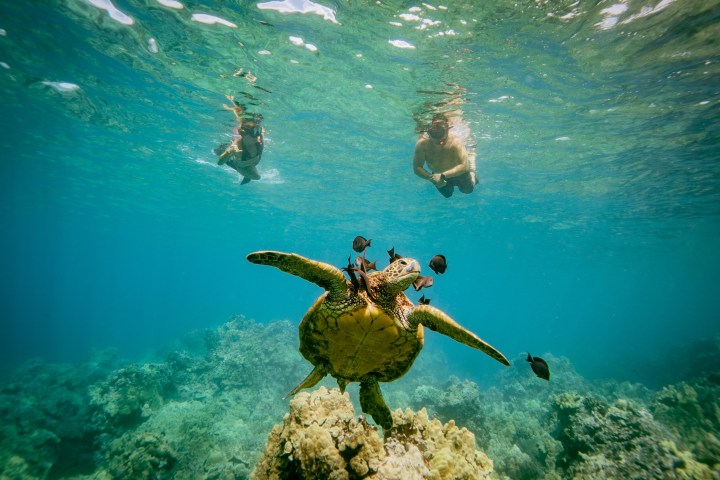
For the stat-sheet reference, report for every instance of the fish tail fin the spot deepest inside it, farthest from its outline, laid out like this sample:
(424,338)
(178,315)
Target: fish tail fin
(529,358)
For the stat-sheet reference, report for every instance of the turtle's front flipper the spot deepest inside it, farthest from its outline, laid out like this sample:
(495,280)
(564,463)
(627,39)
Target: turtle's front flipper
(322,274)
(436,320)
(310,381)
(373,403)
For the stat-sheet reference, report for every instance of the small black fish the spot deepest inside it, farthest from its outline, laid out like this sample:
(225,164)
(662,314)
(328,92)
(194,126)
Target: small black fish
(423,282)
(351,273)
(360,244)
(539,366)
(366,284)
(393,256)
(438,264)
(424,301)
(364,264)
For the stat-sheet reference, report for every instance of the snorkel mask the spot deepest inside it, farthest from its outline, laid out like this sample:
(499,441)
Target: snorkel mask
(438,130)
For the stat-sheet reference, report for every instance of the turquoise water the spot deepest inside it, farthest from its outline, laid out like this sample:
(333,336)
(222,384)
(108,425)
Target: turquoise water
(592,234)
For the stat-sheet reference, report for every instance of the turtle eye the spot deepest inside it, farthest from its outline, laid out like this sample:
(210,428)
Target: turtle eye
(403,262)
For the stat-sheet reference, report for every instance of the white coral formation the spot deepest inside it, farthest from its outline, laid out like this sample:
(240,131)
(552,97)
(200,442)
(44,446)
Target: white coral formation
(322,439)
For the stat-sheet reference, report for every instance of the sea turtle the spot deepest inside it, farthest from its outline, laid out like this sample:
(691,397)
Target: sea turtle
(368,335)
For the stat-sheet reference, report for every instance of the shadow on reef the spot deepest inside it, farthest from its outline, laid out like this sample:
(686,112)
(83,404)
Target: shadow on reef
(206,410)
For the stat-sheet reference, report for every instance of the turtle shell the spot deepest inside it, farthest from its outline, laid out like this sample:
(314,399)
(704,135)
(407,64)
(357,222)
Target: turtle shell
(354,341)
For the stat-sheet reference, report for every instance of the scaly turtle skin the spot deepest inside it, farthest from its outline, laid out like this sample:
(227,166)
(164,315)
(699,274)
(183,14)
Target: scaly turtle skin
(365,335)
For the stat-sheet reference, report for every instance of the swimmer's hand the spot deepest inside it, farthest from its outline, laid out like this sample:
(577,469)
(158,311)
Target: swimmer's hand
(438,179)
(228,151)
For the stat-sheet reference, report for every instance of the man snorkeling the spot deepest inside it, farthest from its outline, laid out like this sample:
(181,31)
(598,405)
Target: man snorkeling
(444,152)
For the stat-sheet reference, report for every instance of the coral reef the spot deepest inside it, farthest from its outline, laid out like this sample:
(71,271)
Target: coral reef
(196,416)
(692,411)
(43,417)
(322,439)
(128,395)
(618,441)
(569,428)
(203,410)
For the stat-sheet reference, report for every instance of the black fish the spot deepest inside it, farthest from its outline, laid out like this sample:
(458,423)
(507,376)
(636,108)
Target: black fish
(424,301)
(364,264)
(366,284)
(360,244)
(351,273)
(422,282)
(539,366)
(393,256)
(438,264)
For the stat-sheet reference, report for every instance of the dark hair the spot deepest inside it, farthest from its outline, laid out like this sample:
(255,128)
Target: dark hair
(439,118)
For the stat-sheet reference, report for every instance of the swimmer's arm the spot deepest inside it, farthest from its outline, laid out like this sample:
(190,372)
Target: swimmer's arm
(462,167)
(419,163)
(233,148)
(419,169)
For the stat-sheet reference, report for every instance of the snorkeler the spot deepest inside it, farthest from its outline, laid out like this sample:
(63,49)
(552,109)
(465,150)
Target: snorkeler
(245,151)
(444,152)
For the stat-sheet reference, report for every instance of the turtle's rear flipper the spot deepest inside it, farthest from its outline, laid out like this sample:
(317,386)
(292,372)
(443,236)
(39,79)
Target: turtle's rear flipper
(373,403)
(310,381)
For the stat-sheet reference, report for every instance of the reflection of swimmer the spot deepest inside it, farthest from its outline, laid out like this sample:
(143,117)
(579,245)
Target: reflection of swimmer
(244,153)
(444,152)
(235,107)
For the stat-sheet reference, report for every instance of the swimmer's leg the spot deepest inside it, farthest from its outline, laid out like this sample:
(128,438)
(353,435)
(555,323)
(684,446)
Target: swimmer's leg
(465,183)
(447,190)
(220,149)
(249,173)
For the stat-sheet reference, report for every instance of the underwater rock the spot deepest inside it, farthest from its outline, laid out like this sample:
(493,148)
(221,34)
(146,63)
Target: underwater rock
(43,418)
(242,352)
(692,411)
(619,441)
(204,413)
(128,396)
(141,456)
(322,439)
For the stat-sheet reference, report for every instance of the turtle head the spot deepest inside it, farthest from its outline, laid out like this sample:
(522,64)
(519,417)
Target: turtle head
(400,274)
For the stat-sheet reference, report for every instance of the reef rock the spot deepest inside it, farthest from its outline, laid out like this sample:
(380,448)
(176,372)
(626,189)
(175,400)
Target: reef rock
(619,441)
(321,438)
(692,412)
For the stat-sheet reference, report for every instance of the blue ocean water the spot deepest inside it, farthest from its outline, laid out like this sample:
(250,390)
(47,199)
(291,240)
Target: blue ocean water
(592,234)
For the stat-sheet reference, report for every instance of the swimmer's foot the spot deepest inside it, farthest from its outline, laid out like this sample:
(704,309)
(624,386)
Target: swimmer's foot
(245,180)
